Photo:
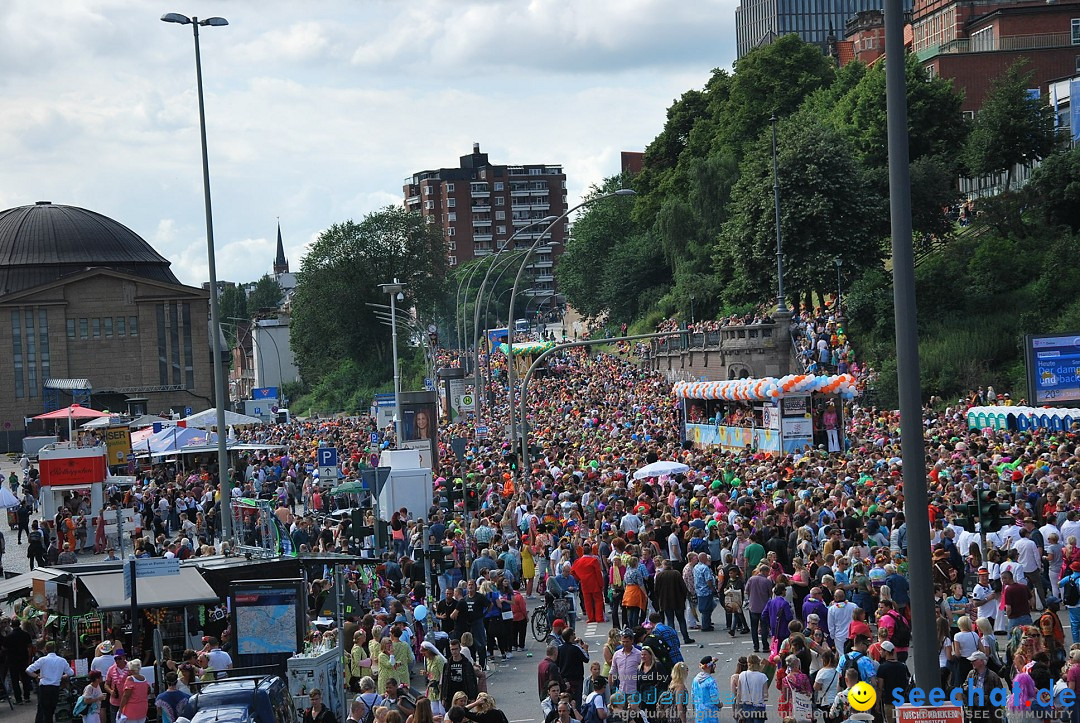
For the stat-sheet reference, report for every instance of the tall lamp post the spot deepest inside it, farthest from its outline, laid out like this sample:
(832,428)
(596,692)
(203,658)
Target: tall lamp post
(781,305)
(839,306)
(215,311)
(393,290)
(510,314)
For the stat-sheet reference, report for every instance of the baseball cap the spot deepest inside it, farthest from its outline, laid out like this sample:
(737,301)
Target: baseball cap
(887,646)
(708,660)
(558,623)
(977,655)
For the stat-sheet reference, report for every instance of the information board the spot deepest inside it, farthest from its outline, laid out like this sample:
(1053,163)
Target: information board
(1053,368)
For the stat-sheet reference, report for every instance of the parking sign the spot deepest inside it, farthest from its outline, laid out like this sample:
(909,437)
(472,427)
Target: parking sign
(327,457)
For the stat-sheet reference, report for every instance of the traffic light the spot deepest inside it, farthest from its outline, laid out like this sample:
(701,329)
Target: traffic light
(965,516)
(512,460)
(447,560)
(995,516)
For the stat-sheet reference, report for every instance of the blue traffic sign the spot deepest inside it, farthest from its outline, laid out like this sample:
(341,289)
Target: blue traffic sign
(328,457)
(187,411)
(429,384)
(264,393)
(374,437)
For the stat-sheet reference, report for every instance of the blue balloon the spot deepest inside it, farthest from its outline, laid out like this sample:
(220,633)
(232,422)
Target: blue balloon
(420,612)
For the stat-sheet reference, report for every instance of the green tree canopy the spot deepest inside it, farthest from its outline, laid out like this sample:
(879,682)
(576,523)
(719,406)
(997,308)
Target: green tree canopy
(267,294)
(1013,126)
(340,275)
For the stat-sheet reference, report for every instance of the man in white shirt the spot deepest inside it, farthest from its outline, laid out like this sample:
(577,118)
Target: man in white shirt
(1070,527)
(219,660)
(984,596)
(674,549)
(50,671)
(1030,556)
(841,613)
(630,523)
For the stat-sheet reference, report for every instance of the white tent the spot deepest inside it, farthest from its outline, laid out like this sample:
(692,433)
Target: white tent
(661,468)
(208,418)
(147,420)
(101,423)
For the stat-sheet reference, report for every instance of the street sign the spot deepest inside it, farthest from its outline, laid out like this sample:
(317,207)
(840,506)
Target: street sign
(131,457)
(468,401)
(157,567)
(481,432)
(264,393)
(187,411)
(258,411)
(374,437)
(327,459)
(149,567)
(429,384)
(459,444)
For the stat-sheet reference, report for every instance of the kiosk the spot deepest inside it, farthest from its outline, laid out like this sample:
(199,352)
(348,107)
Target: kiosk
(775,416)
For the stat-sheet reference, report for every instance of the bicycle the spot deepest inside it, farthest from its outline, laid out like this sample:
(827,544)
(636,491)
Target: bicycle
(541,628)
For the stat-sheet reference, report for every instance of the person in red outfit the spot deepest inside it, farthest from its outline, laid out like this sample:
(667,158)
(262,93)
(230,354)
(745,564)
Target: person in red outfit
(590,575)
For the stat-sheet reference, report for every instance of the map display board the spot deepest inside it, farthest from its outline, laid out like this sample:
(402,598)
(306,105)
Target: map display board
(1053,368)
(269,620)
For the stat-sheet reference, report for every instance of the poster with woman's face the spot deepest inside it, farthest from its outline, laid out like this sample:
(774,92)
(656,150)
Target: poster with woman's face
(418,422)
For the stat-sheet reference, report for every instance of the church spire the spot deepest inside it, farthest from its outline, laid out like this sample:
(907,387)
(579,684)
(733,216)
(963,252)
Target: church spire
(281,264)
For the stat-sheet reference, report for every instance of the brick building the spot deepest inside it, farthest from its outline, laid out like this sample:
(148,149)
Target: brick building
(479,206)
(974,41)
(819,22)
(83,297)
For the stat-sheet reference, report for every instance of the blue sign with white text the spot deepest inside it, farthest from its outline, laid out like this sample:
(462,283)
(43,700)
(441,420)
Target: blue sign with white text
(264,393)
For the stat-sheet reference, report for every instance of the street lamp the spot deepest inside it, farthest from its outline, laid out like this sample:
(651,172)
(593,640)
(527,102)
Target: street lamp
(839,307)
(215,312)
(781,305)
(510,315)
(393,290)
(692,321)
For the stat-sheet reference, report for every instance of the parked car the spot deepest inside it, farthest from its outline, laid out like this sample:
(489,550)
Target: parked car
(258,699)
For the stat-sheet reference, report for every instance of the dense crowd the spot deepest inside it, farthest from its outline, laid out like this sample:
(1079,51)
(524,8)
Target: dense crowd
(806,554)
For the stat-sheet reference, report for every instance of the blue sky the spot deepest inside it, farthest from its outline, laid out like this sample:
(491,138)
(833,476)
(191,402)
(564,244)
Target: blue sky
(317,110)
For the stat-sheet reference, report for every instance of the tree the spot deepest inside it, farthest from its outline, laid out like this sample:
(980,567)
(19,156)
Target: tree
(340,275)
(1013,126)
(233,305)
(825,214)
(1055,187)
(267,294)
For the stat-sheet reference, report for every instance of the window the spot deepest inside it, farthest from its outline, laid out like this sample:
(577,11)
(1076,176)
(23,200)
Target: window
(969,115)
(71,328)
(452,216)
(108,327)
(1076,31)
(43,342)
(31,354)
(429,205)
(174,340)
(133,326)
(162,345)
(500,215)
(500,229)
(189,359)
(452,260)
(982,40)
(451,202)
(120,325)
(499,185)
(451,245)
(84,328)
(536,171)
(1078,63)
(500,201)
(449,188)
(95,324)
(451,231)
(16,348)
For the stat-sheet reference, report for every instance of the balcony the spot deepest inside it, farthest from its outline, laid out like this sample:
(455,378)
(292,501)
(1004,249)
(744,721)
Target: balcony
(542,264)
(412,200)
(1038,41)
(482,207)
(478,237)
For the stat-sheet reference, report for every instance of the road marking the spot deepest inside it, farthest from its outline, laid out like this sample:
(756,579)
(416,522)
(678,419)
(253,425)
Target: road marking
(523,720)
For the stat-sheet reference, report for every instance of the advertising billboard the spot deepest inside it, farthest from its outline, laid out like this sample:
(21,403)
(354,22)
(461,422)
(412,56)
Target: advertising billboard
(118,442)
(269,620)
(1053,369)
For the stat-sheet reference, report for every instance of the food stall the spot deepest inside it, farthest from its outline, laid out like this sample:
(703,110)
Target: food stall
(774,416)
(67,470)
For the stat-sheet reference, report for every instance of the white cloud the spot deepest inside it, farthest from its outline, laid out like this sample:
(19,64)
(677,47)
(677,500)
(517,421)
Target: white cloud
(317,112)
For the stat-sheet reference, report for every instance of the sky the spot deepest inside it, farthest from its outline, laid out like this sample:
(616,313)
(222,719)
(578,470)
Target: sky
(317,111)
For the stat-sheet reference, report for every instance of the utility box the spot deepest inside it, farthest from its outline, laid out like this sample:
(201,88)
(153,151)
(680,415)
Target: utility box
(408,485)
(317,670)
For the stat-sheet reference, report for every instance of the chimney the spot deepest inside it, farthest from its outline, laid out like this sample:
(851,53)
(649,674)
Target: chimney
(475,147)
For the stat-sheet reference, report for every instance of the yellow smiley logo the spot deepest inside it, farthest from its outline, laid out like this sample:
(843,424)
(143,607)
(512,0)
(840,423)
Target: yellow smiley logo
(862,697)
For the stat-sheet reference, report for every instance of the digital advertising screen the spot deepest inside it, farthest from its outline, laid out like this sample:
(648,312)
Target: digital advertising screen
(269,620)
(1053,367)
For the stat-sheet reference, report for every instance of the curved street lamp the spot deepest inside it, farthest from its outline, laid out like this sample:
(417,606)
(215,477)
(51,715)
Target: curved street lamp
(513,293)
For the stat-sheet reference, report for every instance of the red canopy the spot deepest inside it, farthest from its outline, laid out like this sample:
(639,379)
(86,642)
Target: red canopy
(75,411)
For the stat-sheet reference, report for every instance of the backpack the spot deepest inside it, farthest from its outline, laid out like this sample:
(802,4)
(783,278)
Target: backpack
(660,650)
(35,537)
(81,707)
(853,659)
(589,714)
(369,706)
(1070,591)
(901,635)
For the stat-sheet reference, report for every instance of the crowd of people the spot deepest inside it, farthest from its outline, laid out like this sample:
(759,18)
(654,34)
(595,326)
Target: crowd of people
(805,553)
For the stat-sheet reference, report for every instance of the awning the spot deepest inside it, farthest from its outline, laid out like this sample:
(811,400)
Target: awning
(187,588)
(20,585)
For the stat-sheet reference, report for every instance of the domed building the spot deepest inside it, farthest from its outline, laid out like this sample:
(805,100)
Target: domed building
(90,309)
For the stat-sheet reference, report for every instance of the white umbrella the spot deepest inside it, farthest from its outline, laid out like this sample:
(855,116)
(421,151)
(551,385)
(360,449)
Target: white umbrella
(661,468)
(7,499)
(98,423)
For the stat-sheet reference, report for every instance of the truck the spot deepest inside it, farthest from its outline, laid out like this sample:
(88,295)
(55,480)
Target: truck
(32,445)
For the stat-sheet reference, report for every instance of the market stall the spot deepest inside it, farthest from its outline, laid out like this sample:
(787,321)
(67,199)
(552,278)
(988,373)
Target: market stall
(770,415)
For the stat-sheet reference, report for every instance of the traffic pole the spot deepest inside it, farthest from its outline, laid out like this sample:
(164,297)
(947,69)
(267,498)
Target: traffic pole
(916,510)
